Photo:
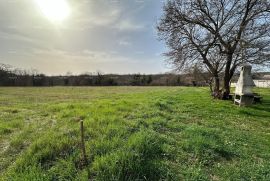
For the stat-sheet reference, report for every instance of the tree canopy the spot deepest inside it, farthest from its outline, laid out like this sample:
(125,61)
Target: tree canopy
(221,34)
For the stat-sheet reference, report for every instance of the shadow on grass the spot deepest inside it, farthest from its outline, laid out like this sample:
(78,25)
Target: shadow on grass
(264,106)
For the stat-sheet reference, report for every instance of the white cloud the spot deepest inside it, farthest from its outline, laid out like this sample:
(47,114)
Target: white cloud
(82,56)
(102,19)
(128,25)
(124,43)
(92,14)
(104,14)
(12,52)
(14,36)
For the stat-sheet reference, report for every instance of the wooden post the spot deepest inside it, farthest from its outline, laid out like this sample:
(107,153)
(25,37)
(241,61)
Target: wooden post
(83,144)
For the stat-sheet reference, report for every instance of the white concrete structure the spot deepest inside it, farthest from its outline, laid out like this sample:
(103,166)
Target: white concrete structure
(245,82)
(243,91)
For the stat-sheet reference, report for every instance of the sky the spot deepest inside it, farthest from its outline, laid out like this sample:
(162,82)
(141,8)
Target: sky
(110,36)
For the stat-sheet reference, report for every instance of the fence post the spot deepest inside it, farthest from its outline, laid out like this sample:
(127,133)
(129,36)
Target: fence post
(83,144)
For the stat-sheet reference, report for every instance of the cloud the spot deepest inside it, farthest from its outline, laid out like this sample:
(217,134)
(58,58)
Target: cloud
(124,43)
(12,52)
(92,14)
(79,56)
(112,14)
(128,25)
(15,36)
(102,19)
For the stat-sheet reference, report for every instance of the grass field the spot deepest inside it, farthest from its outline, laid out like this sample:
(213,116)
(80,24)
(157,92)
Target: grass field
(132,133)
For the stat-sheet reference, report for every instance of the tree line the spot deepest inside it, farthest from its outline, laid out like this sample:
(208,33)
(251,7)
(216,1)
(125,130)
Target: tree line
(10,76)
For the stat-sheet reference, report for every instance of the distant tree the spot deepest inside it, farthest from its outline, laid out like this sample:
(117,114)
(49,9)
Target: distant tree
(5,73)
(149,79)
(199,76)
(167,81)
(143,80)
(66,80)
(69,73)
(136,81)
(40,80)
(221,34)
(111,82)
(34,72)
(5,68)
(178,81)
(99,78)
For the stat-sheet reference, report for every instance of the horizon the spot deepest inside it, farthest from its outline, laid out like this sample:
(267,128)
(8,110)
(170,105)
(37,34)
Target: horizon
(111,36)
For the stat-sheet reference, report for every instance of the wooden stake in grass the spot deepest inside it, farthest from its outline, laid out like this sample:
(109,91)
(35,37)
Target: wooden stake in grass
(83,144)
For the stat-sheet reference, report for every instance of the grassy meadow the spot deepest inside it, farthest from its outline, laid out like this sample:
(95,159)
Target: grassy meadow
(132,133)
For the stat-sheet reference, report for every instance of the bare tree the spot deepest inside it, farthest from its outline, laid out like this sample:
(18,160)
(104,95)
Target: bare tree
(221,34)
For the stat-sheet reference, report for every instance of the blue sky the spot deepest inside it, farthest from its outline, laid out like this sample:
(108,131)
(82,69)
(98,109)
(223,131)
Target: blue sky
(112,36)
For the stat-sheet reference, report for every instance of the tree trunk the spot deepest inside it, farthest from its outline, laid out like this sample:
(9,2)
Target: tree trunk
(227,78)
(217,83)
(217,92)
(211,85)
(226,88)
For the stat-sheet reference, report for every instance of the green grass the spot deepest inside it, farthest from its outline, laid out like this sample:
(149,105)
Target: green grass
(132,133)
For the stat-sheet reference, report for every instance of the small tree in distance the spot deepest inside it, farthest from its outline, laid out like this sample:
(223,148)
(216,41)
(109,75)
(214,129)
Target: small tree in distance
(221,34)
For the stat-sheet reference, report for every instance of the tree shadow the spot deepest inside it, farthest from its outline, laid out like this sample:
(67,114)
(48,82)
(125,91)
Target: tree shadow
(258,110)
(264,106)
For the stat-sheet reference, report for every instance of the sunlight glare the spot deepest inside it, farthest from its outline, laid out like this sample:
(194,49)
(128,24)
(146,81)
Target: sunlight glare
(54,10)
